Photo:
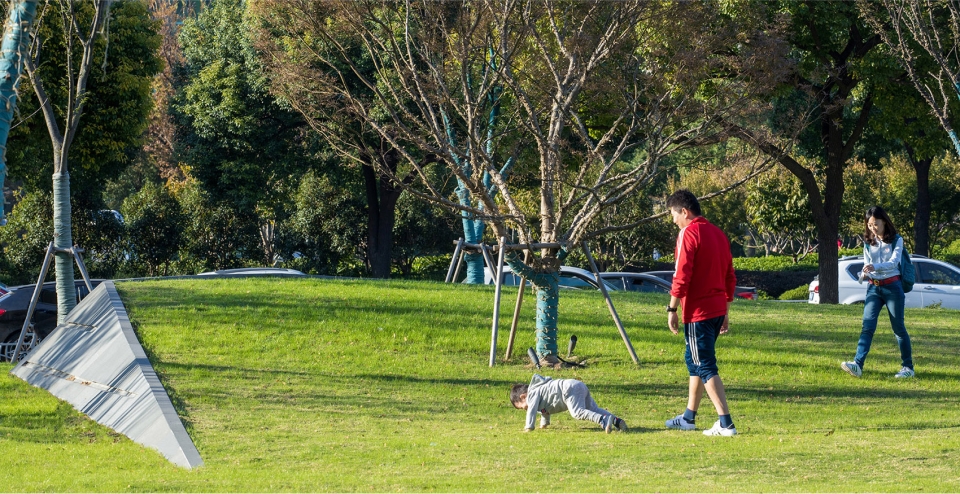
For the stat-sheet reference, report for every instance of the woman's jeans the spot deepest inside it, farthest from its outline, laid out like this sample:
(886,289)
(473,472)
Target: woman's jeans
(892,297)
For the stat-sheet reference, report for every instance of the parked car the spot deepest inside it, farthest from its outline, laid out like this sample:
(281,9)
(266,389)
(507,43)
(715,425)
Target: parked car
(637,282)
(15,301)
(937,282)
(570,277)
(242,272)
(744,292)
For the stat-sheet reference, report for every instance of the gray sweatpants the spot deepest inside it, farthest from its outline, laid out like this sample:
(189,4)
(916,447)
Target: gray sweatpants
(579,402)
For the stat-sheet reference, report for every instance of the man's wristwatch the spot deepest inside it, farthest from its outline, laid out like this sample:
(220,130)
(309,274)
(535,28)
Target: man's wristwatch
(671,309)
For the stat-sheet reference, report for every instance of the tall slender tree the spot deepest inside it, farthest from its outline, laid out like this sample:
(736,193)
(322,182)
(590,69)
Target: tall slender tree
(924,40)
(82,24)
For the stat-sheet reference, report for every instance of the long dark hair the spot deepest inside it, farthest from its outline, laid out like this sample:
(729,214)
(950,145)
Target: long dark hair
(889,231)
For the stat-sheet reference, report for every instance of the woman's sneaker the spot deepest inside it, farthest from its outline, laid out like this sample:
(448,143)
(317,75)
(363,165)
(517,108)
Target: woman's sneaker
(681,423)
(852,368)
(717,430)
(904,373)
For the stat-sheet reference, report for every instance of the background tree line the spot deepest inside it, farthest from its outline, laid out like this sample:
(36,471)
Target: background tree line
(217,156)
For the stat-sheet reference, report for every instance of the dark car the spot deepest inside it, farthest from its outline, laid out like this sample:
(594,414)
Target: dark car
(15,301)
(744,292)
(636,282)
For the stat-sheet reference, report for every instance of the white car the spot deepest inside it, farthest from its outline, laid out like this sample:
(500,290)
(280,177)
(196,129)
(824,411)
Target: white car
(937,282)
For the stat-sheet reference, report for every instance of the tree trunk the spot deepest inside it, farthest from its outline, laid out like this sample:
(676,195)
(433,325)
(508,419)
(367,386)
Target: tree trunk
(63,238)
(547,288)
(382,199)
(15,42)
(546,285)
(921,220)
(473,234)
(827,257)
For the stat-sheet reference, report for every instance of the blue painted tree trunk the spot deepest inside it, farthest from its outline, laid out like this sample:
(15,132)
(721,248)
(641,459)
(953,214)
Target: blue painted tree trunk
(16,39)
(473,227)
(472,234)
(546,285)
(952,133)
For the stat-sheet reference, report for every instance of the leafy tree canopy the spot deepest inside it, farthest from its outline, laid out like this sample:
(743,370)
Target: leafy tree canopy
(239,142)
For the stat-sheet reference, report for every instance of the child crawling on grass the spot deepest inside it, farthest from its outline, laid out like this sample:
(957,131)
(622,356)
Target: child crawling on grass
(547,396)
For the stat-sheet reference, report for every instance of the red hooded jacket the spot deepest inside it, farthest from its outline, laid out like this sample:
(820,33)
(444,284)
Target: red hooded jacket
(704,279)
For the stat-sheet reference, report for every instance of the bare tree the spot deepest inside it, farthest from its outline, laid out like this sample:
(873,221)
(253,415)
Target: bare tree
(918,32)
(72,16)
(595,99)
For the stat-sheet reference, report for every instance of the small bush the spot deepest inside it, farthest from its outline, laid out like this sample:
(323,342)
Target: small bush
(774,263)
(430,268)
(799,293)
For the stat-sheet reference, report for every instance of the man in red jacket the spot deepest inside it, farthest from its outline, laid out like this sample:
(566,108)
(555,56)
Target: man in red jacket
(703,287)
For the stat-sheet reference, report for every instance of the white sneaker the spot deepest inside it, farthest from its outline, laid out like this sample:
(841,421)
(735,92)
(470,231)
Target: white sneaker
(904,373)
(716,430)
(679,422)
(852,368)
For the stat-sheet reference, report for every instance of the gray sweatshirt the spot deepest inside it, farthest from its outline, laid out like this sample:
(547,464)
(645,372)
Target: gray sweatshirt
(545,396)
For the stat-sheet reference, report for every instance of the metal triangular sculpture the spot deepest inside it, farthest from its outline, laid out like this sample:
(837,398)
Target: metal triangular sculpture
(95,362)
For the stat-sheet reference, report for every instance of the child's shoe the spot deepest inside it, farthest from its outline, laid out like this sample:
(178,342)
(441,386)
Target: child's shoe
(718,430)
(620,424)
(679,422)
(610,421)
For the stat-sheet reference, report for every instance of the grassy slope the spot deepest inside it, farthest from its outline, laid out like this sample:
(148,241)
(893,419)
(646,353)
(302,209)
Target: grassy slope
(316,385)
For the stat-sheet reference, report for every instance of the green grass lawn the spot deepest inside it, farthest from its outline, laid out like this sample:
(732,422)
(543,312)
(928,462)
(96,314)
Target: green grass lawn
(323,385)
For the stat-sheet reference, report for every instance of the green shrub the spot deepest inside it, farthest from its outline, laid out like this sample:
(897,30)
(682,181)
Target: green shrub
(154,228)
(324,228)
(853,251)
(799,293)
(216,234)
(24,240)
(430,268)
(774,263)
